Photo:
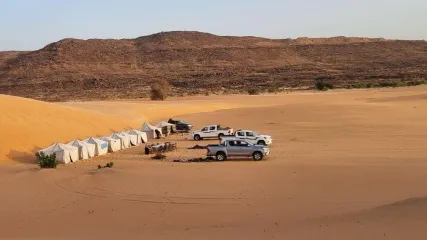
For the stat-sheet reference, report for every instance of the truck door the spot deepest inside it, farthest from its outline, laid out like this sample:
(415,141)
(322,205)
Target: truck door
(212,131)
(250,137)
(233,148)
(240,135)
(205,131)
(244,148)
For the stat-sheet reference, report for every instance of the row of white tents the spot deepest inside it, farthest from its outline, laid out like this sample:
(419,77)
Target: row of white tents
(91,147)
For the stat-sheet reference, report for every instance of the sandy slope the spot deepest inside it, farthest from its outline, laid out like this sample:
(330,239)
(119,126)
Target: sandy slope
(27,125)
(345,165)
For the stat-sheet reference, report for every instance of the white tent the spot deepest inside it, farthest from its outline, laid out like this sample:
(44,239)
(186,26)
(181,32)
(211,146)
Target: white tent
(166,127)
(150,130)
(124,140)
(86,150)
(140,136)
(114,145)
(101,147)
(132,138)
(64,153)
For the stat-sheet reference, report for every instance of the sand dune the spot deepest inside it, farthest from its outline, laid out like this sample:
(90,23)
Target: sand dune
(344,165)
(27,125)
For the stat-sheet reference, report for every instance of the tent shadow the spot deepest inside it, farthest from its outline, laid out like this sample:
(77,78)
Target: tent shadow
(24,157)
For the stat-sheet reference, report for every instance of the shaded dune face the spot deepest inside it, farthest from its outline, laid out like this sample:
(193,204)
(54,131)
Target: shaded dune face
(28,125)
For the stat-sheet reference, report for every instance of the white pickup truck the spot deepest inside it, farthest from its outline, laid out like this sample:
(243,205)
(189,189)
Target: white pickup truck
(250,137)
(211,131)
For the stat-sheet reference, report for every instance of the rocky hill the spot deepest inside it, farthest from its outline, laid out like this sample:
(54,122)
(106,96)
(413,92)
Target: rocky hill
(195,62)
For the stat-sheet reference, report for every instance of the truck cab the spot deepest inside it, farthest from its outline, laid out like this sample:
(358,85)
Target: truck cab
(249,136)
(181,126)
(211,131)
(237,148)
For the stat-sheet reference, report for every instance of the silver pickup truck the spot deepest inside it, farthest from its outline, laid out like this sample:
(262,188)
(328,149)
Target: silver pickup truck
(237,148)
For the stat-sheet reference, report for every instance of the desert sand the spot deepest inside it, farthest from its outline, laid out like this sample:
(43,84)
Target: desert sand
(344,165)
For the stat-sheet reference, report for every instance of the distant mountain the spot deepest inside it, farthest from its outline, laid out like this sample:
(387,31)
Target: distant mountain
(195,62)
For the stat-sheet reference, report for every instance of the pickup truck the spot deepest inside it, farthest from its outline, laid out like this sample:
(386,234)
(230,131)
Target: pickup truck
(211,131)
(250,137)
(237,148)
(181,126)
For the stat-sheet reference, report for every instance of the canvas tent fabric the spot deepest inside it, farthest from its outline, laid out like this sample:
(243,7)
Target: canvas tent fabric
(64,153)
(166,127)
(124,140)
(151,131)
(132,138)
(141,136)
(101,146)
(114,145)
(86,150)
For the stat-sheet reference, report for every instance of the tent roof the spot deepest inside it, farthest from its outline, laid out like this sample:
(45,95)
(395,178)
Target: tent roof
(123,133)
(58,147)
(164,124)
(116,136)
(147,127)
(135,132)
(79,143)
(108,139)
(94,140)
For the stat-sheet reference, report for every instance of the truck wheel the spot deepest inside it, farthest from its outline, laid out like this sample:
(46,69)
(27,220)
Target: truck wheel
(220,136)
(261,142)
(257,156)
(221,156)
(197,137)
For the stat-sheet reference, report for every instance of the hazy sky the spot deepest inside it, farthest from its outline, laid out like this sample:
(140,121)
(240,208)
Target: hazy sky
(31,24)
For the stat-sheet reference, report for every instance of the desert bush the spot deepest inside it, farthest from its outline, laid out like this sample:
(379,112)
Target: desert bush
(46,161)
(108,165)
(323,85)
(272,89)
(369,85)
(361,85)
(416,82)
(253,91)
(159,90)
(392,84)
(159,156)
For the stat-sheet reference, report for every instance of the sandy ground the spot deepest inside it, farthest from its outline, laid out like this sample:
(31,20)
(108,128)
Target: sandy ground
(344,165)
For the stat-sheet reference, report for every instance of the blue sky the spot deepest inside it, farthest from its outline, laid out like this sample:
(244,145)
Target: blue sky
(32,24)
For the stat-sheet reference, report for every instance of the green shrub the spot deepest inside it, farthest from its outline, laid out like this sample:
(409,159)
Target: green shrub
(159,156)
(253,91)
(390,84)
(46,161)
(416,82)
(272,89)
(108,165)
(361,85)
(323,85)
